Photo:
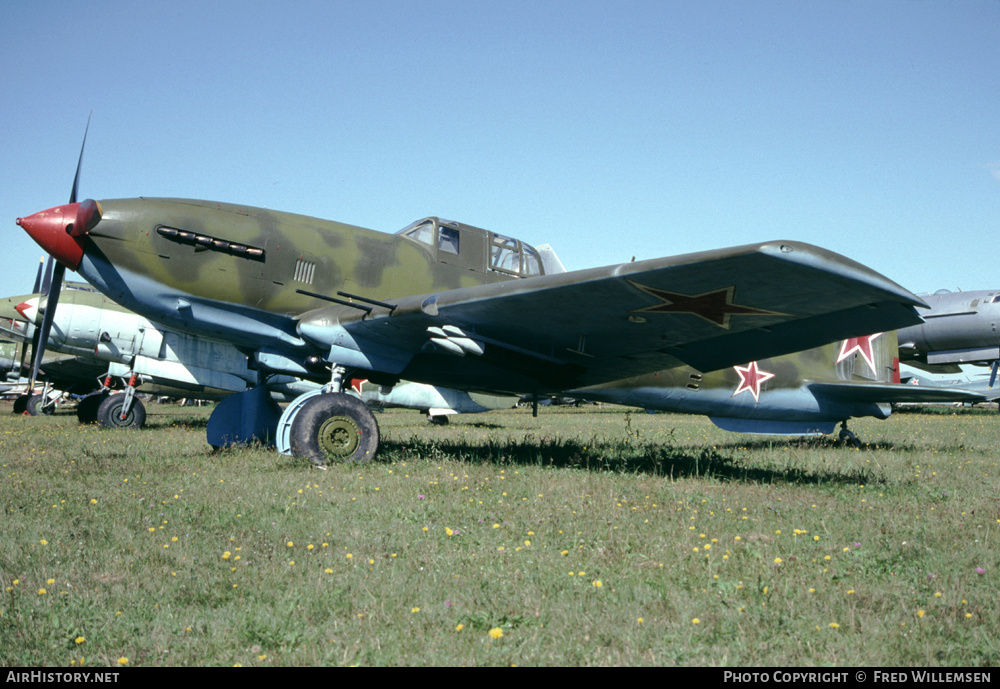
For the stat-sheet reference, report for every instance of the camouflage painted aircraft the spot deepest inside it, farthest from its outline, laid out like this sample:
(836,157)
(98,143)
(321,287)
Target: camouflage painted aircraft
(960,328)
(442,303)
(807,393)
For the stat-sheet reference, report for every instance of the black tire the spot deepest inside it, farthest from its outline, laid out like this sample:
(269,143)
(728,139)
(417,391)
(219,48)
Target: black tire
(109,413)
(86,409)
(334,427)
(440,420)
(21,404)
(36,406)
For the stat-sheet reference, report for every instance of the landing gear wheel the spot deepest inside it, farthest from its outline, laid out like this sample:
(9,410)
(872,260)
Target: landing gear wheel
(36,406)
(440,420)
(21,404)
(334,427)
(86,409)
(109,413)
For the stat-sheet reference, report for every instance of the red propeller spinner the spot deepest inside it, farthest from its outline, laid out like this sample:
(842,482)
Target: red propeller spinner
(61,231)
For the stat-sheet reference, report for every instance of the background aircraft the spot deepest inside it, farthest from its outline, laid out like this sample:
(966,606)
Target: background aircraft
(441,303)
(967,377)
(959,328)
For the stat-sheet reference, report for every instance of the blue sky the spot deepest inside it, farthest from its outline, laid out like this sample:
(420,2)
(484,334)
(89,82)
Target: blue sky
(608,129)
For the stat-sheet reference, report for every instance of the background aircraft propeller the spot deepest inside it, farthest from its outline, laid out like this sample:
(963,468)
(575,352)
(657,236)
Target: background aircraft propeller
(34,339)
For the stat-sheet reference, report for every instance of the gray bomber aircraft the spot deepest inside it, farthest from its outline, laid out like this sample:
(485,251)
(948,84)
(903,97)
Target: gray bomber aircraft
(959,328)
(442,303)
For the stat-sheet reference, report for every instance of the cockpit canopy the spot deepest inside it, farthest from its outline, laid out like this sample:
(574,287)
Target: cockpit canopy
(481,250)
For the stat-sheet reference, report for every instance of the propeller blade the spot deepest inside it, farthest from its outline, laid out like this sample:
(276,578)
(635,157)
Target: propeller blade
(46,279)
(38,276)
(79,162)
(46,326)
(25,350)
(993,373)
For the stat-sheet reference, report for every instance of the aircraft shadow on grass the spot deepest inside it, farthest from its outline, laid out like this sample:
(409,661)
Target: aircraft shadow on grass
(646,458)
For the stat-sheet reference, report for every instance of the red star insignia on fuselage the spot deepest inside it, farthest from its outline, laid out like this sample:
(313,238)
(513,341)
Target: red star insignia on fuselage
(751,378)
(715,306)
(861,345)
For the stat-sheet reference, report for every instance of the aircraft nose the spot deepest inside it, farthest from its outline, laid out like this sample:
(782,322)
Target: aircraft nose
(28,310)
(61,231)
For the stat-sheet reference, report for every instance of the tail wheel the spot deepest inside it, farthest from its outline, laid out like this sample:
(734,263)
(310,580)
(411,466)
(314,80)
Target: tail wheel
(334,428)
(109,414)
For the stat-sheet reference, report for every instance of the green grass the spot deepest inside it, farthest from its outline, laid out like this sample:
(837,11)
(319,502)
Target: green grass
(587,537)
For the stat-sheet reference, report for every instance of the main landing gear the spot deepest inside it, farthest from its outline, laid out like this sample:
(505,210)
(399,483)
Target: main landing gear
(328,425)
(39,404)
(123,410)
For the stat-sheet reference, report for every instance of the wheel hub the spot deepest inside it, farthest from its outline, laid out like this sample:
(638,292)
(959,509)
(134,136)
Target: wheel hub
(339,437)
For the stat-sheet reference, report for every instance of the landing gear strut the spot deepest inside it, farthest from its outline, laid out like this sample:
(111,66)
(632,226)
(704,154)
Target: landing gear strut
(121,411)
(847,437)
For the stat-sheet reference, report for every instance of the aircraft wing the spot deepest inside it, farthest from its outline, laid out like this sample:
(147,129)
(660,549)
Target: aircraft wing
(709,310)
(892,393)
(65,370)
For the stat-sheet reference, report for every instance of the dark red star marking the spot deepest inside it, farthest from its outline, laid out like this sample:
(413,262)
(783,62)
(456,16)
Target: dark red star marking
(751,378)
(861,345)
(715,306)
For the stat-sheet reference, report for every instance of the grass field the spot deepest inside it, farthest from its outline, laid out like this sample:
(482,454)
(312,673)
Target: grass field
(582,537)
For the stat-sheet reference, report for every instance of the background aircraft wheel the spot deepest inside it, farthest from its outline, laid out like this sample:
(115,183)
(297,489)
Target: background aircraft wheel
(441,420)
(109,413)
(21,404)
(36,406)
(334,427)
(86,409)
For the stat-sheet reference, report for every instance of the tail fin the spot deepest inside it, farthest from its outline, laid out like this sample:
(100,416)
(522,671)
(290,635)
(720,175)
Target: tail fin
(869,358)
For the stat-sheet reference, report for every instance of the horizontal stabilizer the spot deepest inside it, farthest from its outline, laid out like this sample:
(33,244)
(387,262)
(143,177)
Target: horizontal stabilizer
(862,392)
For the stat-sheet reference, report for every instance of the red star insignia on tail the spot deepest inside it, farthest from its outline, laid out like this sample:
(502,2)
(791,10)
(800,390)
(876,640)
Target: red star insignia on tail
(751,378)
(861,345)
(715,306)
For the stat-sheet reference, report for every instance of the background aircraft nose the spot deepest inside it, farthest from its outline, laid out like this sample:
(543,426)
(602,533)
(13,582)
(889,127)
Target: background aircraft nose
(61,230)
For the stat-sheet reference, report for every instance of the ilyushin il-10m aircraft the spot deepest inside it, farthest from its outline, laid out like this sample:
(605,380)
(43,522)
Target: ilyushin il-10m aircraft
(806,393)
(442,303)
